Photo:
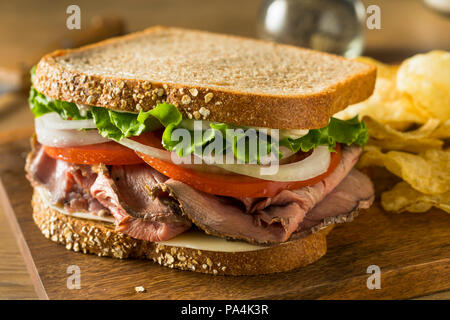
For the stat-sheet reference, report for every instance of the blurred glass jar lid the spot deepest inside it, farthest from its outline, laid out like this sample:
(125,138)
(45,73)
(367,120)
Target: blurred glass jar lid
(334,26)
(439,5)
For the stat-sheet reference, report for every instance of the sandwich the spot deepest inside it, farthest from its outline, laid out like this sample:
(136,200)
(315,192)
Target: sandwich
(199,151)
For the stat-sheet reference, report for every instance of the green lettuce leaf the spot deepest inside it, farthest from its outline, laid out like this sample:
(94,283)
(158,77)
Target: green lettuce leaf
(347,132)
(244,154)
(40,105)
(193,144)
(118,125)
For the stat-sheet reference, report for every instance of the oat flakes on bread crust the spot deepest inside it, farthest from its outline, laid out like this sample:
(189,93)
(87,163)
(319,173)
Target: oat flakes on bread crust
(87,236)
(208,76)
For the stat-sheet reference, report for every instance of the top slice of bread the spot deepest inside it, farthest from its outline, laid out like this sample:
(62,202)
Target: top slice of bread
(208,76)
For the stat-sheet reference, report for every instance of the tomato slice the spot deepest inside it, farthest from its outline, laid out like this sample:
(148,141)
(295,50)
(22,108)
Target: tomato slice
(232,185)
(109,153)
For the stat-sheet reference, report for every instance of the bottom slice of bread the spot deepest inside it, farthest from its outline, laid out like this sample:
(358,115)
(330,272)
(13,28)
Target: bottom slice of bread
(96,237)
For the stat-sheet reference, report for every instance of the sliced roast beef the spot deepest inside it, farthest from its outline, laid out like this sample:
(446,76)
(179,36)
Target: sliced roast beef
(123,190)
(51,173)
(355,192)
(120,190)
(68,184)
(216,215)
(266,220)
(307,197)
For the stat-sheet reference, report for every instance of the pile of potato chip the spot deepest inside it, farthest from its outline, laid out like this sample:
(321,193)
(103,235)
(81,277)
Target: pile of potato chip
(408,117)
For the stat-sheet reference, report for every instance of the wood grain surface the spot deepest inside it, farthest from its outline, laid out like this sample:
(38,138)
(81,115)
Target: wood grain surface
(412,251)
(15,281)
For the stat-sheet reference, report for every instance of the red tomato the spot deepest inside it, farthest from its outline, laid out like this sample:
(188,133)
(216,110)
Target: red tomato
(233,185)
(109,153)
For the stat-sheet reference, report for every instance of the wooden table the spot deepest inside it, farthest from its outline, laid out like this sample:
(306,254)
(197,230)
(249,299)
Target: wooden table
(40,22)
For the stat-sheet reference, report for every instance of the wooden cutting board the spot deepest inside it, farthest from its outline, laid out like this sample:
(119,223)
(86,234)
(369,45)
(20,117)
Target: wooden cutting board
(412,250)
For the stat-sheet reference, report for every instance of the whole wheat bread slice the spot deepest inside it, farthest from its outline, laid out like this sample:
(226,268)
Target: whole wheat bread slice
(208,76)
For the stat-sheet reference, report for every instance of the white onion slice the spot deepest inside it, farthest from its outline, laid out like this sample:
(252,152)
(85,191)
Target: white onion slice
(308,168)
(142,148)
(168,156)
(286,152)
(53,121)
(66,138)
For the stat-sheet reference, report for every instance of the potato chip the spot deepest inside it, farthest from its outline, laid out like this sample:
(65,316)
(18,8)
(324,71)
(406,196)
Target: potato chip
(383,136)
(416,92)
(387,104)
(427,172)
(413,146)
(442,131)
(383,70)
(426,78)
(404,198)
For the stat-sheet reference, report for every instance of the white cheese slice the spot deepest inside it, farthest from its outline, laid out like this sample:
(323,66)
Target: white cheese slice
(201,241)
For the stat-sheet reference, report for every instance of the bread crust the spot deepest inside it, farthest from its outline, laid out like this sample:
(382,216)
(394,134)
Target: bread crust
(289,111)
(95,237)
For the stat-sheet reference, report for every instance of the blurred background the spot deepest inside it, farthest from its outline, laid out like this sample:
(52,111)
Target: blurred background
(29,29)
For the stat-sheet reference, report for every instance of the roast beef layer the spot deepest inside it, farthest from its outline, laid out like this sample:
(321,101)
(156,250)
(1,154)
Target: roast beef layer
(118,190)
(148,205)
(124,190)
(275,219)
